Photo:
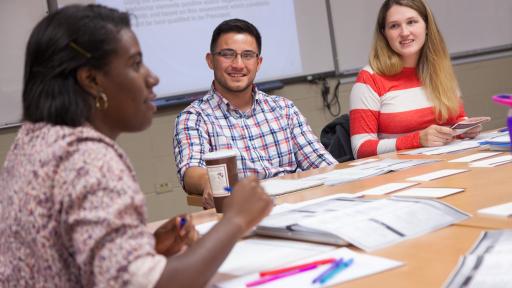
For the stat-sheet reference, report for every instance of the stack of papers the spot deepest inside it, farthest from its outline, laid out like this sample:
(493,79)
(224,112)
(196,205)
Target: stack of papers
(367,169)
(394,164)
(487,265)
(363,265)
(490,135)
(367,224)
(498,143)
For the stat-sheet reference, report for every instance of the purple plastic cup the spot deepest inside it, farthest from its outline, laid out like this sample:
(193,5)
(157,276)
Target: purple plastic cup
(506,99)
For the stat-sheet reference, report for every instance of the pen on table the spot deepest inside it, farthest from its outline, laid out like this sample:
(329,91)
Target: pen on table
(328,270)
(296,267)
(279,276)
(335,268)
(504,129)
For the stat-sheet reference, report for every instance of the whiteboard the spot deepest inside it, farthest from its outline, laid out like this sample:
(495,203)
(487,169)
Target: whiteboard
(295,46)
(17,18)
(468,27)
(479,27)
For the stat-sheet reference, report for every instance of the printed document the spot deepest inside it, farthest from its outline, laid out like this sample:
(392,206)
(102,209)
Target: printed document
(487,265)
(367,224)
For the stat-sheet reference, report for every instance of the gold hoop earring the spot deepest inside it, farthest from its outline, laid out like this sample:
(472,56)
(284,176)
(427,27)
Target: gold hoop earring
(101,101)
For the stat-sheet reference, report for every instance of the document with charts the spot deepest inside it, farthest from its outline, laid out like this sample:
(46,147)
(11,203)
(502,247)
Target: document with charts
(367,224)
(487,265)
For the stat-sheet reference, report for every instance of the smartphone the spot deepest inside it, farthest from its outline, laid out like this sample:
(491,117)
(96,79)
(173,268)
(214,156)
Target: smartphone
(467,124)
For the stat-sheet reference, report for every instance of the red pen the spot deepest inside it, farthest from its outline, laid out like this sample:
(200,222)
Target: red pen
(297,267)
(279,276)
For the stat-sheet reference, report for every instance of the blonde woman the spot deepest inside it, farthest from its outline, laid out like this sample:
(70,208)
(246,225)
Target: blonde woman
(408,96)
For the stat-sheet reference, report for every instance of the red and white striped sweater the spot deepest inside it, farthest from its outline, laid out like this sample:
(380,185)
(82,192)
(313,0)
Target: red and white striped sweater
(387,112)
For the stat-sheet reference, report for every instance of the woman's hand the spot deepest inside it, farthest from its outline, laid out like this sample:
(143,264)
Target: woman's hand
(175,235)
(472,133)
(436,135)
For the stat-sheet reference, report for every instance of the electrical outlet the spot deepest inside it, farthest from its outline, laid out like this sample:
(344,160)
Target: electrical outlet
(163,187)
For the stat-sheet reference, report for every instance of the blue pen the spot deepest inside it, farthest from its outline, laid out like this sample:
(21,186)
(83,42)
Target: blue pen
(228,189)
(328,270)
(333,270)
(183,222)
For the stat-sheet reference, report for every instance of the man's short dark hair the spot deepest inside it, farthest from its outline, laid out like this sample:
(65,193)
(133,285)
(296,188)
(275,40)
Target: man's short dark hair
(237,26)
(73,37)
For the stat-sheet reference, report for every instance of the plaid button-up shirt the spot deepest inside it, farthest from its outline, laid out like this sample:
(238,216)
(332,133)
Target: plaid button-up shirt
(272,138)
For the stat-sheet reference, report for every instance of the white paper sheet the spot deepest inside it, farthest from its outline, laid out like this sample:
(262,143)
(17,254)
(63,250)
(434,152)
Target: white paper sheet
(453,147)
(493,162)
(428,192)
(502,210)
(491,135)
(386,188)
(204,228)
(437,174)
(474,157)
(457,145)
(417,151)
(363,161)
(275,187)
(257,254)
(344,175)
(363,265)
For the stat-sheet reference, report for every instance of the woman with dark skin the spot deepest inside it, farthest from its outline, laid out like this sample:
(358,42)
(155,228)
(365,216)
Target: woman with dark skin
(72,211)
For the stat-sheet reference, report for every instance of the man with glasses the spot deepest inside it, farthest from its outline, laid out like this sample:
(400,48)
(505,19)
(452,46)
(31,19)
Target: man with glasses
(269,133)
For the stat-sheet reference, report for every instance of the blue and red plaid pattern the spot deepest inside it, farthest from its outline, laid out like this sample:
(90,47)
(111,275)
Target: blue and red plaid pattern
(272,138)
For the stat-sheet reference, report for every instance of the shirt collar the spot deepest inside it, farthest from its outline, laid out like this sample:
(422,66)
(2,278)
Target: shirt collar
(224,104)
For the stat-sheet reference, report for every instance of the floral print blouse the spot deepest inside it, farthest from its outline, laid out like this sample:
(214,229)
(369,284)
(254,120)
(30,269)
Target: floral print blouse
(71,212)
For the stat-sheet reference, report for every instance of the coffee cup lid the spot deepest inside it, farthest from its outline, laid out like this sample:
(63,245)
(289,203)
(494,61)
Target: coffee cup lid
(220,154)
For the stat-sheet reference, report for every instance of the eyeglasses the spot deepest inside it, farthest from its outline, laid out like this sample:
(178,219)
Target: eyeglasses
(230,55)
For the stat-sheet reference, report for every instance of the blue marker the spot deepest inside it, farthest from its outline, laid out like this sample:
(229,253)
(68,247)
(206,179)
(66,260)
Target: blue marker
(335,268)
(228,189)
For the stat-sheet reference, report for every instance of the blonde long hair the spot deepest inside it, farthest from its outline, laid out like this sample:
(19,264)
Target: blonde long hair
(434,67)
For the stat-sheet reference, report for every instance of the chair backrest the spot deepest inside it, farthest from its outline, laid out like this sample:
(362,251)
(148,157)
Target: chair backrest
(335,137)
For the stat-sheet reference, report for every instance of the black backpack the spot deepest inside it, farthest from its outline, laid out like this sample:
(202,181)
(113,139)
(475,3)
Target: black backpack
(335,137)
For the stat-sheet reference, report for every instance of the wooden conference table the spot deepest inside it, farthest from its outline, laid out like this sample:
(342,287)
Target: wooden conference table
(429,259)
